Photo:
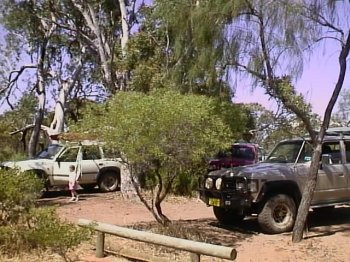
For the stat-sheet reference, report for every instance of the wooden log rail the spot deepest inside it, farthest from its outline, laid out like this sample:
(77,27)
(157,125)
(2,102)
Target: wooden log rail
(195,248)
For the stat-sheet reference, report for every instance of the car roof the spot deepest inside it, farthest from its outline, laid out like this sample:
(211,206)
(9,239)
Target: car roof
(331,134)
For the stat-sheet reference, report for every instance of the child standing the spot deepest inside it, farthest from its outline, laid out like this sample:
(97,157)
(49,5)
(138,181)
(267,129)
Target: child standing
(73,183)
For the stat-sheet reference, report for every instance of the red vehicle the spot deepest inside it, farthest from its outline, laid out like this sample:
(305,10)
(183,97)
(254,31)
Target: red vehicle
(239,154)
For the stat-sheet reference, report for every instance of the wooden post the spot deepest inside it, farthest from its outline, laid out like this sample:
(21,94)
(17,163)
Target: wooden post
(195,257)
(100,244)
(172,242)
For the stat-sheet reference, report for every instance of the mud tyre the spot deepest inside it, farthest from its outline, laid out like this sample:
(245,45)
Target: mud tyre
(109,182)
(277,215)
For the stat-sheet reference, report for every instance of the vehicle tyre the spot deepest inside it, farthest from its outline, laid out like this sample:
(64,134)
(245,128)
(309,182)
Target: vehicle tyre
(277,215)
(227,216)
(108,182)
(88,187)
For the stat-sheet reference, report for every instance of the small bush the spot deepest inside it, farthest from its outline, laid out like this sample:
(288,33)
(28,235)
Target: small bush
(23,226)
(49,232)
(186,183)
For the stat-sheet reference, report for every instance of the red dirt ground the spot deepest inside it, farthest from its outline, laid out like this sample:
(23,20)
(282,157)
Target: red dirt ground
(326,240)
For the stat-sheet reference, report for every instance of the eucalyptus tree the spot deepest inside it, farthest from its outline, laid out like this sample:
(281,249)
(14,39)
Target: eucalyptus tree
(76,48)
(39,41)
(264,41)
(169,55)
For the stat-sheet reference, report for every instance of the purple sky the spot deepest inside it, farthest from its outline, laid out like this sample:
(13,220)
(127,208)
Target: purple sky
(317,82)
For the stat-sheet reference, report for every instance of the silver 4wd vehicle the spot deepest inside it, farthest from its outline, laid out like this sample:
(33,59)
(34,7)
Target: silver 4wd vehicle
(52,165)
(272,189)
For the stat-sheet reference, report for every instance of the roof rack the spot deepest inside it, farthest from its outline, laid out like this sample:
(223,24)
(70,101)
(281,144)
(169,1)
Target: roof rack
(338,131)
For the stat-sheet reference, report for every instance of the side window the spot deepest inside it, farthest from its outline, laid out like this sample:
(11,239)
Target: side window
(110,152)
(91,153)
(347,150)
(306,153)
(69,155)
(333,150)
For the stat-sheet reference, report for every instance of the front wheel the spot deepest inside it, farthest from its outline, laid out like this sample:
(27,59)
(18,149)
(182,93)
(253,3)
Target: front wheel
(108,182)
(277,215)
(227,216)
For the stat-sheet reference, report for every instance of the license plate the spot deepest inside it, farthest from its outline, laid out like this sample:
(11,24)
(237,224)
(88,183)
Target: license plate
(214,202)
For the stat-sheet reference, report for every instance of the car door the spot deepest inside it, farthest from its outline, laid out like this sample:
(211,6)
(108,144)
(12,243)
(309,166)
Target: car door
(62,162)
(347,165)
(332,180)
(91,163)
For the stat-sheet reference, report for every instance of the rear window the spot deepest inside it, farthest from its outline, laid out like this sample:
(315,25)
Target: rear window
(243,152)
(238,151)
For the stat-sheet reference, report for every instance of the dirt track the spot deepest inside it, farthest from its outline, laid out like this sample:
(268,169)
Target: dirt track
(327,239)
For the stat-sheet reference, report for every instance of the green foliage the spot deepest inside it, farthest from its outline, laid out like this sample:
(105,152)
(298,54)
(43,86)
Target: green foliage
(13,146)
(186,183)
(51,233)
(271,127)
(23,226)
(164,126)
(161,55)
(17,192)
(164,131)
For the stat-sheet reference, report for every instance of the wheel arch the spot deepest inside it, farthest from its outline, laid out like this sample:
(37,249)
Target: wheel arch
(108,169)
(38,172)
(287,187)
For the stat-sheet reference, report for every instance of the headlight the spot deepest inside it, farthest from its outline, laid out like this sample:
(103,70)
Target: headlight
(252,186)
(208,183)
(218,183)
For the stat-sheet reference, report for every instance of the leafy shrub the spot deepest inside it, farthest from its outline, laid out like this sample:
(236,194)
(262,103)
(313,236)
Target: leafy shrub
(24,226)
(50,233)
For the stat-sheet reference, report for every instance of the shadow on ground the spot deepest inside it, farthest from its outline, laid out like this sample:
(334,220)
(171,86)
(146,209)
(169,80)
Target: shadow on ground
(337,220)
(61,197)
(211,231)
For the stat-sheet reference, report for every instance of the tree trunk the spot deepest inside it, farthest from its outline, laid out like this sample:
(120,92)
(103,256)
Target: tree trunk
(158,214)
(40,90)
(40,86)
(308,192)
(122,76)
(129,186)
(57,124)
(312,177)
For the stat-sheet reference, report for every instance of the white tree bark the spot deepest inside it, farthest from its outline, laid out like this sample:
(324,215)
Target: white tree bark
(125,26)
(127,187)
(40,86)
(100,43)
(122,76)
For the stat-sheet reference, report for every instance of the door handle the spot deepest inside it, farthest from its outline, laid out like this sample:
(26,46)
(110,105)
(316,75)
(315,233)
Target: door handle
(100,164)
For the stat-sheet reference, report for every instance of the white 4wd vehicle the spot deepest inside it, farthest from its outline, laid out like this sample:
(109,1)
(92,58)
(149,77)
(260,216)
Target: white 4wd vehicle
(52,165)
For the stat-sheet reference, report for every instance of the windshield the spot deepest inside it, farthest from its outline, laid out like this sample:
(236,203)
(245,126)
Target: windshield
(49,152)
(285,152)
